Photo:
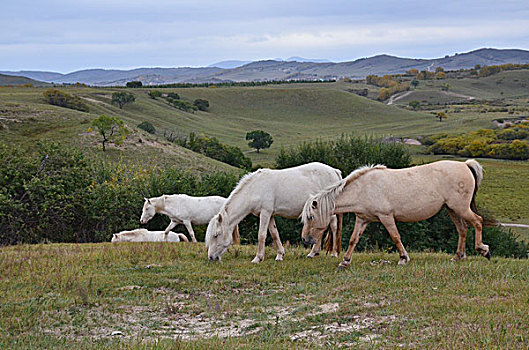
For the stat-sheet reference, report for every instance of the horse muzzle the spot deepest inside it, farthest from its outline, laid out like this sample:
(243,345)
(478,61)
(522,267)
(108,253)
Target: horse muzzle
(308,240)
(214,258)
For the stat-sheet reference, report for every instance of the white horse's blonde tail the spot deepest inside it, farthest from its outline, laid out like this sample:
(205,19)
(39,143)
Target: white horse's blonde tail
(477,169)
(182,237)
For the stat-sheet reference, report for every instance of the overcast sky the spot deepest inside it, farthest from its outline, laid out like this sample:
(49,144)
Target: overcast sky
(65,36)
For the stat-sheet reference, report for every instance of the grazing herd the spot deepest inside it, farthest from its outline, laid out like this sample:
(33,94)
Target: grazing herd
(317,193)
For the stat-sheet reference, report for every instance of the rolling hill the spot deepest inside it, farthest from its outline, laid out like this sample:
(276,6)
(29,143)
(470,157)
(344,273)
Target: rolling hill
(295,68)
(6,80)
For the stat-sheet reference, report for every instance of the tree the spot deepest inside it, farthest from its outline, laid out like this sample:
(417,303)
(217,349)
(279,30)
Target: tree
(413,72)
(134,84)
(201,104)
(147,127)
(154,94)
(111,129)
(259,139)
(414,83)
(122,98)
(440,75)
(440,116)
(414,104)
(439,69)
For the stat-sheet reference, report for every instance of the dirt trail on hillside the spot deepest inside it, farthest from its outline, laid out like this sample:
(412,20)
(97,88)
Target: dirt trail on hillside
(401,95)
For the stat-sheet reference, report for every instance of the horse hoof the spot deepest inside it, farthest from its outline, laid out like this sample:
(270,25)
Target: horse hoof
(334,255)
(487,255)
(256,260)
(310,256)
(279,258)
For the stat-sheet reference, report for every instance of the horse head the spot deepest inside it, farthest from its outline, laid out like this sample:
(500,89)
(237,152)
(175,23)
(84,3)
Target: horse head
(148,211)
(314,224)
(218,236)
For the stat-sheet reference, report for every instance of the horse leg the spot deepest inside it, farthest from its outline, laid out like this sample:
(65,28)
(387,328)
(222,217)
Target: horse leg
(461,227)
(272,227)
(360,226)
(264,221)
(316,247)
(189,228)
(172,224)
(477,221)
(389,224)
(334,229)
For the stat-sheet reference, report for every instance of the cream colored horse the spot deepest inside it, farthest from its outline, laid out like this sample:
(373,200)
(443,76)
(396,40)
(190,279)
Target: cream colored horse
(142,235)
(378,194)
(266,193)
(184,209)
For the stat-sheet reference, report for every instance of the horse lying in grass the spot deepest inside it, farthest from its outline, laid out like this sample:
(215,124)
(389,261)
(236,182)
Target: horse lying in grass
(378,194)
(142,235)
(266,193)
(184,209)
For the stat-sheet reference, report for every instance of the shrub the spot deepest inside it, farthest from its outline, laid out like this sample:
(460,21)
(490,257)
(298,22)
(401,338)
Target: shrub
(147,127)
(202,105)
(56,194)
(134,84)
(182,105)
(346,153)
(213,148)
(155,94)
(122,98)
(62,99)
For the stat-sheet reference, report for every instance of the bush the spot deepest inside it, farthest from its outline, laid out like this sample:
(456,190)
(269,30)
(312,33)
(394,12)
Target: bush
(147,127)
(501,143)
(202,105)
(182,105)
(134,84)
(347,153)
(155,94)
(62,99)
(213,148)
(56,194)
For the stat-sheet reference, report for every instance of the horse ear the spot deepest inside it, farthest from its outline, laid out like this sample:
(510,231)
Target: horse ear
(314,204)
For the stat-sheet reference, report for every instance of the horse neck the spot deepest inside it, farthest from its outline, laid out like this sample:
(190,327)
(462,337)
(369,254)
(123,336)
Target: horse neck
(237,208)
(346,200)
(159,206)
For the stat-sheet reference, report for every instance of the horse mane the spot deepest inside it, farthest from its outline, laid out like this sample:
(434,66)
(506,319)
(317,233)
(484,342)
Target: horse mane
(326,198)
(243,181)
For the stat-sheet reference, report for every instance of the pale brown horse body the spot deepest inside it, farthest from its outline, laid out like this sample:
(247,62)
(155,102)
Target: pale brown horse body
(378,194)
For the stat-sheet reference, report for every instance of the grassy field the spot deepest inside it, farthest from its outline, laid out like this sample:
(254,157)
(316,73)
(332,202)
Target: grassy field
(169,296)
(290,113)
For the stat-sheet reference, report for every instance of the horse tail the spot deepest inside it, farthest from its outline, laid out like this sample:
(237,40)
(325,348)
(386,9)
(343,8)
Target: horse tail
(329,240)
(182,237)
(477,171)
(236,236)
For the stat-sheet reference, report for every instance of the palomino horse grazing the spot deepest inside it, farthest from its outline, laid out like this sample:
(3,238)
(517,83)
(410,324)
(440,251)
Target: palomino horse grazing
(142,235)
(184,209)
(377,194)
(266,193)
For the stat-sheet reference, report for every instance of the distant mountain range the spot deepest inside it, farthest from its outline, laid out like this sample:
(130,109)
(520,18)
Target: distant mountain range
(294,68)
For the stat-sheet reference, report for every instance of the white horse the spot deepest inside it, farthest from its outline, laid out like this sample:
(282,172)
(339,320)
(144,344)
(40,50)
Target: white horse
(378,194)
(266,193)
(184,209)
(142,235)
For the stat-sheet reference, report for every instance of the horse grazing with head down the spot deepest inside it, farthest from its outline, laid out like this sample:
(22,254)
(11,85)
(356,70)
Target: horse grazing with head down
(184,209)
(378,194)
(266,193)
